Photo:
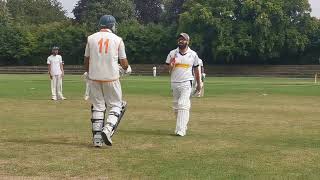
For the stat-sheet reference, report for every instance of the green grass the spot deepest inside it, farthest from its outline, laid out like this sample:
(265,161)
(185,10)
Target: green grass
(244,128)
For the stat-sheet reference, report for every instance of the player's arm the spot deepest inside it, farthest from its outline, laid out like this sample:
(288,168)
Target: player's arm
(170,63)
(61,67)
(124,63)
(198,77)
(197,72)
(170,67)
(86,63)
(86,60)
(123,58)
(49,68)
(49,71)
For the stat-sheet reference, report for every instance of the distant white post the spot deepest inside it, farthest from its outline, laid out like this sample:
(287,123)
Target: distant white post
(316,78)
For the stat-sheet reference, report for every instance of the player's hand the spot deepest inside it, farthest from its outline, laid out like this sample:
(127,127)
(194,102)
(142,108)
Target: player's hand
(85,75)
(172,62)
(123,72)
(203,75)
(129,70)
(199,87)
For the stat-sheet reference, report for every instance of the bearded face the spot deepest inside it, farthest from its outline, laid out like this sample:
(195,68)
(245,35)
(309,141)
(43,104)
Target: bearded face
(182,43)
(55,52)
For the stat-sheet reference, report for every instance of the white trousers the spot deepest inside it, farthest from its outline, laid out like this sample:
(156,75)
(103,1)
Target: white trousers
(56,86)
(181,105)
(106,94)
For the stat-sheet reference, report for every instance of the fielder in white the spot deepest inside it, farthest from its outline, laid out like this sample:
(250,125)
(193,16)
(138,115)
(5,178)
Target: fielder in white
(56,72)
(181,62)
(154,71)
(103,52)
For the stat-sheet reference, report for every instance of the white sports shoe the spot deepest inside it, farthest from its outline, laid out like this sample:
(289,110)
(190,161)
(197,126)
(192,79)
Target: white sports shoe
(106,136)
(180,133)
(86,97)
(54,98)
(63,98)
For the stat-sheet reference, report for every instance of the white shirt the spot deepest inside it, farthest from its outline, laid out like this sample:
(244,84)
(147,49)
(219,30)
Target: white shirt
(184,64)
(55,62)
(104,49)
(200,62)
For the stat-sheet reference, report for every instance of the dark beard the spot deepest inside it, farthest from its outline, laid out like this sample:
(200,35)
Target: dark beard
(182,46)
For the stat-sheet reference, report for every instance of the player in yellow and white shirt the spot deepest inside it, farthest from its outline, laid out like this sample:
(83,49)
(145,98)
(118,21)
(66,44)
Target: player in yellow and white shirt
(103,52)
(181,62)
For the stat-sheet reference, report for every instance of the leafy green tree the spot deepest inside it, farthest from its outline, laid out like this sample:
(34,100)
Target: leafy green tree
(89,12)
(148,44)
(246,31)
(70,38)
(148,11)
(172,10)
(16,44)
(5,16)
(36,11)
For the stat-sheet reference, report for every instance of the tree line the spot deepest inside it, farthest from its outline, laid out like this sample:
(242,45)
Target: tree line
(222,31)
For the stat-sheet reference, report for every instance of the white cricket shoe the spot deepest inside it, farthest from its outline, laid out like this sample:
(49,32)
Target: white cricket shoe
(86,98)
(106,136)
(180,133)
(54,98)
(63,98)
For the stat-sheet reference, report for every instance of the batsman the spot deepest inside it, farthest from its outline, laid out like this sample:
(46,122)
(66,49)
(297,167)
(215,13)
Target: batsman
(104,50)
(181,62)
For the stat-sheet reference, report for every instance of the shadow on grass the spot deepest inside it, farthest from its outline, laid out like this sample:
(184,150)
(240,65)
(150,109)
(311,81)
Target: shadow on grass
(148,132)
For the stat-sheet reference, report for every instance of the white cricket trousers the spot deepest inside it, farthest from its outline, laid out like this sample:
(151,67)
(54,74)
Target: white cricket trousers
(181,105)
(56,87)
(106,94)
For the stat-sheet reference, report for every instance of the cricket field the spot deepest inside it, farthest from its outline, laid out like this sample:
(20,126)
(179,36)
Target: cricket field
(244,128)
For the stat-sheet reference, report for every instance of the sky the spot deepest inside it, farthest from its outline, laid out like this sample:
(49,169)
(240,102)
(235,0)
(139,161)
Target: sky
(68,5)
(315,5)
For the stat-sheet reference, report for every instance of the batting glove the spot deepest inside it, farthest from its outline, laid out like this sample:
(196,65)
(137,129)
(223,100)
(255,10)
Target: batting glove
(125,72)
(85,75)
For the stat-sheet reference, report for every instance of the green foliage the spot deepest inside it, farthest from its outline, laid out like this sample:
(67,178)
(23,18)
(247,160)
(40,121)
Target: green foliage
(89,12)
(247,31)
(172,10)
(36,11)
(147,44)
(5,16)
(222,31)
(16,43)
(148,11)
(70,38)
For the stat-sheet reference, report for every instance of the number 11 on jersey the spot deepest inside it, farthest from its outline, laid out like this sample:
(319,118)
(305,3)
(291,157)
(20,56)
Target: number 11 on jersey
(101,43)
